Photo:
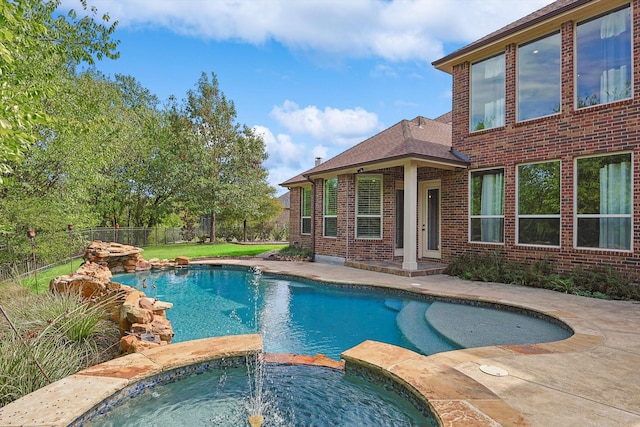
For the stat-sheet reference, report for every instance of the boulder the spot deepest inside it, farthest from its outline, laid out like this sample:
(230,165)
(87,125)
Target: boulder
(182,260)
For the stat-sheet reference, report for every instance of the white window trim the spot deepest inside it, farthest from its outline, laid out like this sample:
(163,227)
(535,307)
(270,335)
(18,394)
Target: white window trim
(324,206)
(380,216)
(518,216)
(576,216)
(302,216)
(469,231)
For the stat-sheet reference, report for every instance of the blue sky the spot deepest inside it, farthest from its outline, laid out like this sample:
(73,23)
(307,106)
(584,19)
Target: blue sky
(314,77)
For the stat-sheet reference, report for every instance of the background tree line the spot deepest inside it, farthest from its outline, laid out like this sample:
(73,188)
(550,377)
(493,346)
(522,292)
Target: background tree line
(92,150)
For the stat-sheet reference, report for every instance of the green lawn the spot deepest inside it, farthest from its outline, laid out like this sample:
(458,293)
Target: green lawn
(162,252)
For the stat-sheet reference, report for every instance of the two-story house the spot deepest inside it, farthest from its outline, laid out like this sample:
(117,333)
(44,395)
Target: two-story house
(540,163)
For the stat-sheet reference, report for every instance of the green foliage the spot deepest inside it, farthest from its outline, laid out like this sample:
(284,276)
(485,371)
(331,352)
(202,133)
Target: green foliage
(35,43)
(62,333)
(493,267)
(226,178)
(188,230)
(296,251)
(106,153)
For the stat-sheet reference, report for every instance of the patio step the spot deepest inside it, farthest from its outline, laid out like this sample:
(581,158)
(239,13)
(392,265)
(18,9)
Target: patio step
(424,269)
(413,325)
(470,326)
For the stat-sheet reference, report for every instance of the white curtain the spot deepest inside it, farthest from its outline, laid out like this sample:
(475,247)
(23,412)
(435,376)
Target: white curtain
(613,81)
(494,113)
(615,198)
(494,67)
(613,24)
(491,203)
(494,110)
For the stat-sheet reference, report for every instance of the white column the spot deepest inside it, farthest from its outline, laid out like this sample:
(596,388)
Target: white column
(409,261)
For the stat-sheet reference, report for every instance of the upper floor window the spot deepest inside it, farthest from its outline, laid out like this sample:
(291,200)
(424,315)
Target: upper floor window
(539,78)
(305,210)
(330,225)
(604,63)
(487,93)
(369,206)
(604,202)
(487,206)
(539,204)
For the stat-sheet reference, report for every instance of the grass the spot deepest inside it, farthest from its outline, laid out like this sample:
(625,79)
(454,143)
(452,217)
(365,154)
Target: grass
(217,250)
(161,252)
(55,336)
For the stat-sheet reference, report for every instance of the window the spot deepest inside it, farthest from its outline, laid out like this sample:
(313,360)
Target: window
(369,206)
(539,78)
(604,67)
(604,203)
(538,213)
(331,207)
(487,206)
(305,210)
(487,93)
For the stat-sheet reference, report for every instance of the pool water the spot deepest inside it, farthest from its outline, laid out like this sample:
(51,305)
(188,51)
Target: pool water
(295,396)
(302,317)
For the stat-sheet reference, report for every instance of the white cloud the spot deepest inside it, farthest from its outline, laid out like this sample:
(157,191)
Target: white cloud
(395,30)
(281,149)
(286,158)
(320,151)
(331,125)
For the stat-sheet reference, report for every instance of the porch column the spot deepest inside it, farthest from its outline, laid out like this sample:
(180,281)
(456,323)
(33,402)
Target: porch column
(409,261)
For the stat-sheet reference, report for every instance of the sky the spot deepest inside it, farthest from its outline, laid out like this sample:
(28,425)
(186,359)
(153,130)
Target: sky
(313,77)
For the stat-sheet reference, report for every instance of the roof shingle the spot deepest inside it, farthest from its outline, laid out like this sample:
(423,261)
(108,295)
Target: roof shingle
(418,138)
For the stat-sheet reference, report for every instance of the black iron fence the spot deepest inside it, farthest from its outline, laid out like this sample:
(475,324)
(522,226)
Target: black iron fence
(17,257)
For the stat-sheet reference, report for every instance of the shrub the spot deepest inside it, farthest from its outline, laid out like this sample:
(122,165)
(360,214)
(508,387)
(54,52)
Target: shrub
(62,333)
(601,282)
(295,251)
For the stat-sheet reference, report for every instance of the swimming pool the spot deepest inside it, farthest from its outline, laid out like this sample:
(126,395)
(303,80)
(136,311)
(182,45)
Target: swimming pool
(303,317)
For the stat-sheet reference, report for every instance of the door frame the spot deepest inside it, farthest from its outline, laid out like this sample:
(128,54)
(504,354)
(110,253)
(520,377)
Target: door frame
(423,230)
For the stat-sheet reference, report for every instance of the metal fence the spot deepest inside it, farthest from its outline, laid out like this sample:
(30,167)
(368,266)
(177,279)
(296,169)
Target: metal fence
(134,236)
(138,236)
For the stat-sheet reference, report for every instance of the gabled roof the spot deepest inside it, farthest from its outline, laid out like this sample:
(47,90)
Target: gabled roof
(421,139)
(547,13)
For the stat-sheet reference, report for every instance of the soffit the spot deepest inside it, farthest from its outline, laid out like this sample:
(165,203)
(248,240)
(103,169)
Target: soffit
(538,24)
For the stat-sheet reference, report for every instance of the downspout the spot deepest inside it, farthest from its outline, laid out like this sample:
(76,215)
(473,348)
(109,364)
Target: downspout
(348,236)
(313,218)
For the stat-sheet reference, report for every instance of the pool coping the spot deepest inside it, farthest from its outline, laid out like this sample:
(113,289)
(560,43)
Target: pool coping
(458,393)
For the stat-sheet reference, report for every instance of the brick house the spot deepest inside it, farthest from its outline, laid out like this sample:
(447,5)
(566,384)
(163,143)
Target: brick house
(540,161)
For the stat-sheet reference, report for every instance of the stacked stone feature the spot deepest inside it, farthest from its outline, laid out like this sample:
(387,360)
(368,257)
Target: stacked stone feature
(117,257)
(142,320)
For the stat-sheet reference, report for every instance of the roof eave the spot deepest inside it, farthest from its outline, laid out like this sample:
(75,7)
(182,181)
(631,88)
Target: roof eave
(446,63)
(423,160)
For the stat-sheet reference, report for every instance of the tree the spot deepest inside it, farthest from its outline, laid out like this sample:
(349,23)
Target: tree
(34,44)
(226,157)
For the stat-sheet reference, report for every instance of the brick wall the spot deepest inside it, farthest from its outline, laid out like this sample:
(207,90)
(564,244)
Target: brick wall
(608,128)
